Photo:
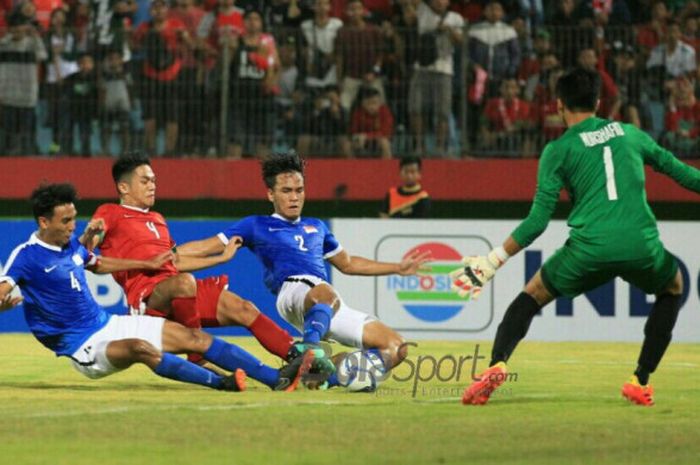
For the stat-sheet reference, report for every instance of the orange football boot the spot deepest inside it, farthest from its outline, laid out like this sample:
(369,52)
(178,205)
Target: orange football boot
(638,394)
(479,391)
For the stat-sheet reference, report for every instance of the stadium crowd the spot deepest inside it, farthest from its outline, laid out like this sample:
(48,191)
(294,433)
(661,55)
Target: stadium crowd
(351,78)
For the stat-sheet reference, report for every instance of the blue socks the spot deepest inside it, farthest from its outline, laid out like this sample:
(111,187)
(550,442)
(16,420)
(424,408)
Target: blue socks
(333,380)
(231,357)
(173,367)
(317,322)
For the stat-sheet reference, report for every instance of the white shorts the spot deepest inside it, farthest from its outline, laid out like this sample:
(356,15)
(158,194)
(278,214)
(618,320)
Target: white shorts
(347,324)
(91,358)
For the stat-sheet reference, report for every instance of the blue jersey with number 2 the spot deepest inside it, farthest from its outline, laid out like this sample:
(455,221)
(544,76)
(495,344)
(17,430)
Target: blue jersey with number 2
(286,248)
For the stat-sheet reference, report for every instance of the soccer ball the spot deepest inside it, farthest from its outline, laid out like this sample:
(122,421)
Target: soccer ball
(361,371)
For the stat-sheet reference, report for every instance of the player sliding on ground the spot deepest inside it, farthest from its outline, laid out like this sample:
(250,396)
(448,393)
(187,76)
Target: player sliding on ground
(131,229)
(613,233)
(292,249)
(63,315)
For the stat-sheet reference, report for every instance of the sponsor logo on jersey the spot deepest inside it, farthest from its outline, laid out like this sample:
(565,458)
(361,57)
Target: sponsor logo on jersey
(428,297)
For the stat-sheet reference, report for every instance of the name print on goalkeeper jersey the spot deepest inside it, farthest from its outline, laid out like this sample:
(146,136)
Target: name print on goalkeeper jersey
(601,165)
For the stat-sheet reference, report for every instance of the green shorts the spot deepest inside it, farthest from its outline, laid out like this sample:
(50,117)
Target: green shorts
(568,273)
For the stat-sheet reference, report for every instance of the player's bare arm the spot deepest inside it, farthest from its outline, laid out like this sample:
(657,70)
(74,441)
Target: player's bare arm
(6,300)
(93,234)
(193,263)
(203,248)
(106,265)
(355,265)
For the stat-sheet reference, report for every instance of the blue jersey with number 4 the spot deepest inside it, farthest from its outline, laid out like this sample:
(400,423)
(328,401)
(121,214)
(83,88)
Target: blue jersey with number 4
(58,306)
(286,248)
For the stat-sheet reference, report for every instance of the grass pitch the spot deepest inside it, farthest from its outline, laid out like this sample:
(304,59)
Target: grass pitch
(563,408)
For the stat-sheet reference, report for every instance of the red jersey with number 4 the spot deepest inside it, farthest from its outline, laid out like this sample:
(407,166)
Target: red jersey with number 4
(135,234)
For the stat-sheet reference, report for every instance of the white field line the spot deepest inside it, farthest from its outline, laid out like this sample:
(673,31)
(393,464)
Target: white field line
(450,400)
(201,408)
(608,362)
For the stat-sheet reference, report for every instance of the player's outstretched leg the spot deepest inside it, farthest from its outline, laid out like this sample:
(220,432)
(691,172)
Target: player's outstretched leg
(177,338)
(379,339)
(513,327)
(657,336)
(174,298)
(320,304)
(233,310)
(125,352)
(511,331)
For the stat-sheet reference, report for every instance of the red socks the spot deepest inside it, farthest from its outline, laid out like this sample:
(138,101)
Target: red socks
(274,339)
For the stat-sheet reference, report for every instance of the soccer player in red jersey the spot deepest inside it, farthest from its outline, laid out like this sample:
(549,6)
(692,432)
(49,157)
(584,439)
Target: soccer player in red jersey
(131,229)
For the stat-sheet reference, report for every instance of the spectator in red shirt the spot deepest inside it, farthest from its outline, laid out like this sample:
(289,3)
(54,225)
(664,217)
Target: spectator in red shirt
(530,63)
(506,121)
(534,68)
(191,92)
(623,68)
(5,8)
(162,40)
(690,33)
(652,34)
(471,10)
(44,9)
(609,96)
(217,26)
(372,125)
(545,111)
(358,51)
(377,9)
(682,120)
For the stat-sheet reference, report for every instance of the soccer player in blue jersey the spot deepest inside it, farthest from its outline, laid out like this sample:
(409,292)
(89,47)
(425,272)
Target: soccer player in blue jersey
(63,315)
(292,250)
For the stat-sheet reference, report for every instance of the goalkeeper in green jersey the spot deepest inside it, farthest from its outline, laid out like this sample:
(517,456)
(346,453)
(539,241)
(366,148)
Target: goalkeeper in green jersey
(613,233)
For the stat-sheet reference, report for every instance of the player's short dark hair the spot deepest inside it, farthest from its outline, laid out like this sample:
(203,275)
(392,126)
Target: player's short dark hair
(46,197)
(281,163)
(410,160)
(127,163)
(579,89)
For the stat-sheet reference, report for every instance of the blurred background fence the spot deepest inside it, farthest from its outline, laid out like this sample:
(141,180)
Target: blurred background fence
(335,78)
